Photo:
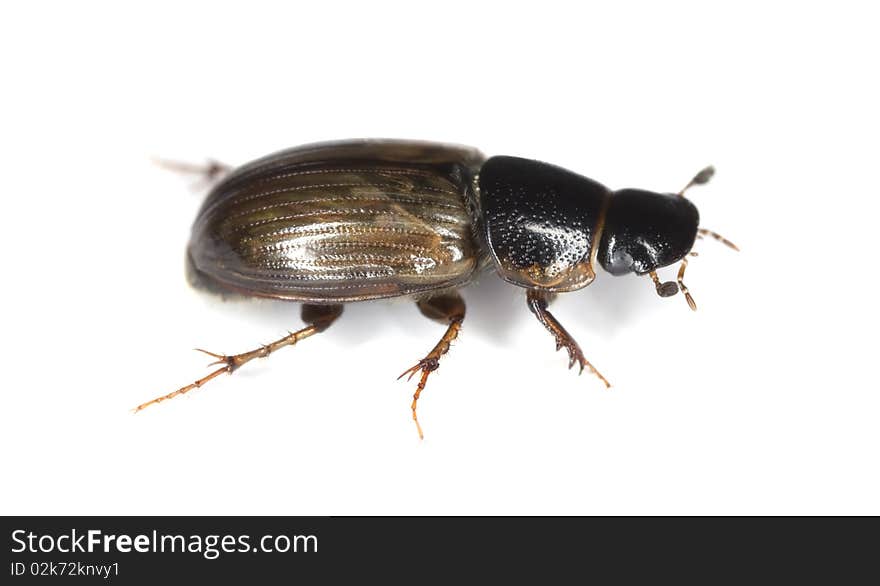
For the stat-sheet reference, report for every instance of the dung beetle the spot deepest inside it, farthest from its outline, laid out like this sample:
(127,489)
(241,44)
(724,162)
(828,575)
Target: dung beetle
(338,222)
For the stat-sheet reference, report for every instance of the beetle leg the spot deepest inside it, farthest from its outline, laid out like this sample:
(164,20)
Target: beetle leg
(319,318)
(537,301)
(210,172)
(449,309)
(687,295)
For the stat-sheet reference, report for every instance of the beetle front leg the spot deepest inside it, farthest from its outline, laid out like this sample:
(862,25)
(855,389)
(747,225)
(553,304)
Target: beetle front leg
(537,302)
(319,318)
(449,309)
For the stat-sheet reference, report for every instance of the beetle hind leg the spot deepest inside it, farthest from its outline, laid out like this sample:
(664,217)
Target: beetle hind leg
(449,309)
(210,172)
(538,301)
(319,318)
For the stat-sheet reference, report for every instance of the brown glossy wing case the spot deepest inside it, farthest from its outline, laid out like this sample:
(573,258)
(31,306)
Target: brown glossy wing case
(342,221)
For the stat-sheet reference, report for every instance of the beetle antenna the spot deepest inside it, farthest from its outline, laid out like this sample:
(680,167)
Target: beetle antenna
(667,289)
(703,232)
(687,295)
(700,178)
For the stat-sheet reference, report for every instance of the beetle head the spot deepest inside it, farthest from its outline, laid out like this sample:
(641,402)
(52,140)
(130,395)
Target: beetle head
(645,231)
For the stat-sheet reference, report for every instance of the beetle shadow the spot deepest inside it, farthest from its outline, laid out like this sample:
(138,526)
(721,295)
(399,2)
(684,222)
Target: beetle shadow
(495,310)
(609,304)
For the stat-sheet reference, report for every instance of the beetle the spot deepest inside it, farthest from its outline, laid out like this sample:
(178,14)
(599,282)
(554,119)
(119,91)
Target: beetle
(338,222)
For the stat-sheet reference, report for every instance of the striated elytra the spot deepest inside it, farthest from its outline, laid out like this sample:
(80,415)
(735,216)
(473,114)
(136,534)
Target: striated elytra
(333,223)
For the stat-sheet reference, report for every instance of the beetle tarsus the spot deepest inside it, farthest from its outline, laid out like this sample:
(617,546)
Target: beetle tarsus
(448,308)
(576,356)
(537,301)
(183,390)
(419,389)
(319,319)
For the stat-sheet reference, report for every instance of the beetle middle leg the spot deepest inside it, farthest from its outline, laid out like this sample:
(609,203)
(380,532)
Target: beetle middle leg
(448,309)
(538,301)
(319,318)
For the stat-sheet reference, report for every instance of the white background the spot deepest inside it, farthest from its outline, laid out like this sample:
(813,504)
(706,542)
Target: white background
(764,401)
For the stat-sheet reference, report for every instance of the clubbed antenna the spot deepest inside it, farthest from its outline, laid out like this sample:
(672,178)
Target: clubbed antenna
(667,289)
(687,294)
(700,178)
(702,232)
